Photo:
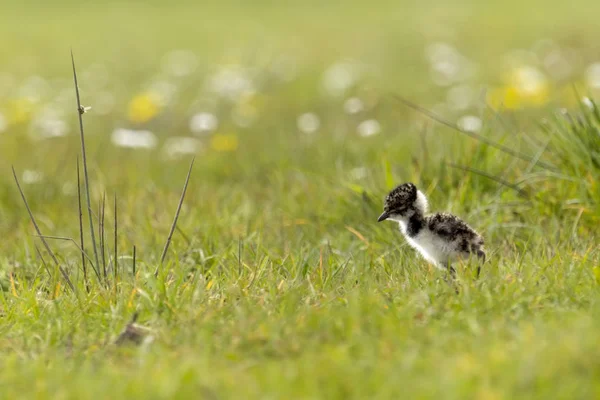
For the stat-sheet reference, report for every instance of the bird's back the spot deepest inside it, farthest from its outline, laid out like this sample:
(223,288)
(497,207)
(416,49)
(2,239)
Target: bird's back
(454,230)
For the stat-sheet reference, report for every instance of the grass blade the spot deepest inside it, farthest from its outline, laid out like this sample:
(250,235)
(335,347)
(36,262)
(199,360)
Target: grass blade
(494,178)
(83,263)
(473,135)
(69,240)
(240,251)
(174,224)
(101,234)
(115,264)
(39,232)
(39,253)
(80,111)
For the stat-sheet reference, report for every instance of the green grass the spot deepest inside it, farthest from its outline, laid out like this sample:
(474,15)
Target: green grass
(279,282)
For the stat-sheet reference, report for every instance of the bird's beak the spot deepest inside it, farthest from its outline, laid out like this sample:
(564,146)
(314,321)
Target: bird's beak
(383,216)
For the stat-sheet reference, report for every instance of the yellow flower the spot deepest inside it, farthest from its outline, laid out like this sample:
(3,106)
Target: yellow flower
(526,87)
(495,97)
(19,111)
(504,97)
(531,85)
(512,98)
(224,142)
(143,107)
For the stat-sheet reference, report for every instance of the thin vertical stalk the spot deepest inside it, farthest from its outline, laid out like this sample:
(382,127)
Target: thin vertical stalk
(174,224)
(39,232)
(80,111)
(80,213)
(115,263)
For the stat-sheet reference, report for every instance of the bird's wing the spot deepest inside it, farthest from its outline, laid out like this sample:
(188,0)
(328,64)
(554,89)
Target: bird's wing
(451,227)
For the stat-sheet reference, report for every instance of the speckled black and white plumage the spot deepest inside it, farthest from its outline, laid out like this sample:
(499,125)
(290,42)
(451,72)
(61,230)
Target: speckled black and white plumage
(441,238)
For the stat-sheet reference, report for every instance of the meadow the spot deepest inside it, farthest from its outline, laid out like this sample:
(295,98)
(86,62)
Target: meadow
(299,117)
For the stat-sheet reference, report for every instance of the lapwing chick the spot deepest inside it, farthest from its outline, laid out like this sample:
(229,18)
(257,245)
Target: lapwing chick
(441,238)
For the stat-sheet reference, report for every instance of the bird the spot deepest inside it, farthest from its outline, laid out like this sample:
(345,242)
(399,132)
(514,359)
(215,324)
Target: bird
(441,238)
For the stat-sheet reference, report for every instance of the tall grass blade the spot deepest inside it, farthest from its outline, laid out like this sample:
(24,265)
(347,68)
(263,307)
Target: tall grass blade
(39,232)
(240,251)
(473,135)
(494,178)
(69,240)
(115,263)
(39,253)
(80,111)
(101,233)
(83,263)
(174,224)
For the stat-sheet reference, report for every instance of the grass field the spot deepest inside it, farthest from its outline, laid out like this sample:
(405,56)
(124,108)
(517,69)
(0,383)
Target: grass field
(279,282)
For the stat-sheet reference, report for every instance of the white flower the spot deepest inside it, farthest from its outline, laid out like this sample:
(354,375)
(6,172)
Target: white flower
(588,102)
(444,73)
(369,127)
(31,177)
(447,65)
(54,128)
(203,122)
(530,80)
(180,62)
(35,88)
(470,123)
(231,82)
(49,123)
(353,105)
(135,139)
(177,146)
(592,75)
(308,123)
(340,77)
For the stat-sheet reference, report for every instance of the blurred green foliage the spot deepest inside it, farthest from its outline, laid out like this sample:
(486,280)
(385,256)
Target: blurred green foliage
(279,282)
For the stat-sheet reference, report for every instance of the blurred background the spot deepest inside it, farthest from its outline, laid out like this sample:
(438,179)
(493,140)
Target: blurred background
(278,281)
(264,91)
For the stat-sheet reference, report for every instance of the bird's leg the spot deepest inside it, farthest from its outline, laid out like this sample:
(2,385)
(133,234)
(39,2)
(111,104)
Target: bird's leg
(452,271)
(451,277)
(481,256)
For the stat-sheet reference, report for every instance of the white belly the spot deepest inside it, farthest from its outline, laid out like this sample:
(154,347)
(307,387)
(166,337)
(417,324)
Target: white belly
(434,249)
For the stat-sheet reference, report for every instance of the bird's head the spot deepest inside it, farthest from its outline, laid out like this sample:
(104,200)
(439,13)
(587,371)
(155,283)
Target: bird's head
(402,202)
